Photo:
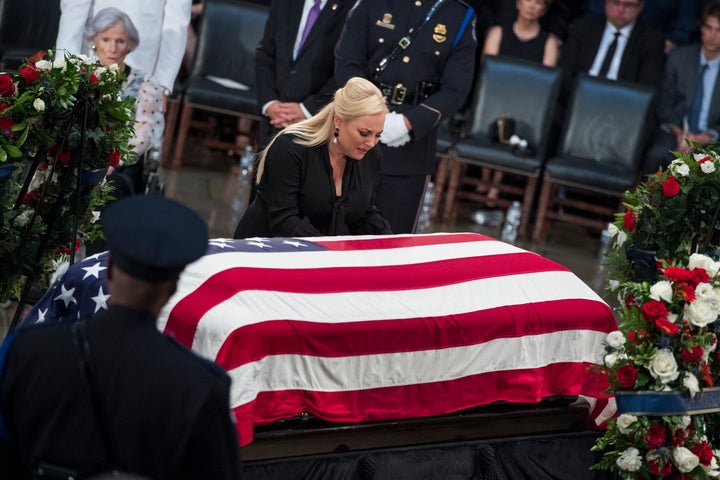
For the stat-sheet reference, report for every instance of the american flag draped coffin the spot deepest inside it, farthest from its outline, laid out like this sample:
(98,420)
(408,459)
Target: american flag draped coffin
(378,327)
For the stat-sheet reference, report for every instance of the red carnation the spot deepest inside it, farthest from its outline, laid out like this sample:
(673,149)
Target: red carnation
(6,124)
(691,354)
(629,221)
(30,74)
(7,87)
(704,452)
(675,274)
(671,187)
(699,275)
(626,376)
(654,309)
(114,158)
(655,435)
(666,326)
(686,291)
(93,78)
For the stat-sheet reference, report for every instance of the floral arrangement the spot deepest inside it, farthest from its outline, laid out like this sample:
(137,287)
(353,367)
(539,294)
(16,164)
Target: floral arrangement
(63,121)
(663,267)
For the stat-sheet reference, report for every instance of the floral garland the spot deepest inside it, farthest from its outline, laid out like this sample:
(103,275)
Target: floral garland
(663,268)
(58,111)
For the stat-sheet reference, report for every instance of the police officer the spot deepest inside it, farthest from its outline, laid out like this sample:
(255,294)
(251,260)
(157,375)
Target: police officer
(112,392)
(421,54)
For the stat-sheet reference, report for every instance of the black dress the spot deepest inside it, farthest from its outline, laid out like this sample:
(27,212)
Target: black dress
(296,195)
(167,410)
(512,46)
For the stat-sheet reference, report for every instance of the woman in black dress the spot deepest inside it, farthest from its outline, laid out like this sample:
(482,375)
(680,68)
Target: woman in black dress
(318,177)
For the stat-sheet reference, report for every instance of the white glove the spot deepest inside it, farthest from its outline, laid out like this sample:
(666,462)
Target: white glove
(394,130)
(399,142)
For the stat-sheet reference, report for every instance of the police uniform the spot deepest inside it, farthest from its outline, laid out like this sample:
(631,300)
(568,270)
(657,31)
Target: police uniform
(427,82)
(113,392)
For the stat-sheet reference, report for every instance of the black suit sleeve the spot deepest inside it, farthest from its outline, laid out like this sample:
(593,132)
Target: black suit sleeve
(651,58)
(265,60)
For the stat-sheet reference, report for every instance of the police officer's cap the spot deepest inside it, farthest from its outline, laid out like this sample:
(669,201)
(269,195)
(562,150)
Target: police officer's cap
(153,238)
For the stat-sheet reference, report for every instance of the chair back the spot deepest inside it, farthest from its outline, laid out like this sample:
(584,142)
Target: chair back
(524,91)
(26,27)
(607,122)
(229,33)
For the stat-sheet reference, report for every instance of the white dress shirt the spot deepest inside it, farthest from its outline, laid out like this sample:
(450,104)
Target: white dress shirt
(607,39)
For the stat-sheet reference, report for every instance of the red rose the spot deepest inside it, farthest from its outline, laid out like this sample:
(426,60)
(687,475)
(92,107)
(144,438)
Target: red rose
(6,124)
(93,78)
(4,106)
(675,274)
(659,471)
(692,354)
(32,199)
(626,376)
(704,452)
(7,87)
(653,310)
(655,435)
(699,275)
(666,326)
(679,437)
(629,221)
(30,74)
(114,158)
(64,158)
(671,187)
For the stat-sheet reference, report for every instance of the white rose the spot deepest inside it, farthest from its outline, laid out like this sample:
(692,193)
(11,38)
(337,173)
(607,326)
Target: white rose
(700,313)
(690,382)
(611,359)
(39,104)
(613,284)
(707,167)
(685,460)
(664,366)
(712,469)
(43,65)
(698,260)
(679,167)
(624,421)
(616,339)
(699,156)
(59,62)
(662,290)
(630,460)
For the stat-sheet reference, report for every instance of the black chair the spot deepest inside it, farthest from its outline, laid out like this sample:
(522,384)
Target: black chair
(525,92)
(229,33)
(25,28)
(601,147)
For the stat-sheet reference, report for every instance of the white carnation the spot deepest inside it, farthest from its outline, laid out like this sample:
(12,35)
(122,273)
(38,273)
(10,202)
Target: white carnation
(624,421)
(664,366)
(630,460)
(616,339)
(685,460)
(662,290)
(690,382)
(43,65)
(700,313)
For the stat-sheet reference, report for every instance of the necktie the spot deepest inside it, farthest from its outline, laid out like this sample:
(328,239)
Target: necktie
(312,16)
(609,56)
(694,115)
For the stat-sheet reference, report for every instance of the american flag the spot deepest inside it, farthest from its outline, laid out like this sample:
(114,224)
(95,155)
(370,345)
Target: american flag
(374,328)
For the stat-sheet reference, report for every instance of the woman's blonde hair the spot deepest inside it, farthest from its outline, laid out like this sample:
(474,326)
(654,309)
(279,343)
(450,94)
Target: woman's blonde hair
(357,98)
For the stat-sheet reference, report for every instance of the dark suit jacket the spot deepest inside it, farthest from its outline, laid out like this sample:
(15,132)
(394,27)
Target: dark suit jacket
(679,85)
(309,78)
(167,410)
(642,60)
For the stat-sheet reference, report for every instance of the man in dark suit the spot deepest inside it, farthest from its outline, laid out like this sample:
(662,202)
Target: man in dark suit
(689,100)
(112,392)
(423,83)
(615,46)
(295,74)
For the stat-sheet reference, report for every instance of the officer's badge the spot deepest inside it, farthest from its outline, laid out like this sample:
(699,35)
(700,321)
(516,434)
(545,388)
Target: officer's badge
(439,33)
(385,22)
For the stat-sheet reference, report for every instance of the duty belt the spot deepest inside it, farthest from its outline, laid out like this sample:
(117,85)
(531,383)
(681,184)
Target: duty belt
(399,94)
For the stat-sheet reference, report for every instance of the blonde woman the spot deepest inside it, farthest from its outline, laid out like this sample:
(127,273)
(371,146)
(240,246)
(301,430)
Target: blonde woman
(318,177)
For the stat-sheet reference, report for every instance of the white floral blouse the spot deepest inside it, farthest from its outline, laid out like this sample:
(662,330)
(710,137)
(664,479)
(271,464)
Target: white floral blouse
(150,121)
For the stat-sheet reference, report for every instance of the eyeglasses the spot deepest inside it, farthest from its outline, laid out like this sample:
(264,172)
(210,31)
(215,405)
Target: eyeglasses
(628,5)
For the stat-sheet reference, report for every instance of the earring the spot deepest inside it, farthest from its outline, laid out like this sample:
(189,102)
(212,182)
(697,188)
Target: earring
(92,47)
(335,134)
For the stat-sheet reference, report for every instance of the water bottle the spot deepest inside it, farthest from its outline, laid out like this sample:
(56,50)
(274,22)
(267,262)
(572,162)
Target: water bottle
(512,220)
(424,218)
(246,165)
(488,218)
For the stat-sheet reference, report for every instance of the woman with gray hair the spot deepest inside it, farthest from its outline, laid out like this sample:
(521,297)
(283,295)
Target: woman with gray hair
(112,37)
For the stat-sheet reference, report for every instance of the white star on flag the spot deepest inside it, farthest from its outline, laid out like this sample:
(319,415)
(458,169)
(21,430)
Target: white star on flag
(294,243)
(66,296)
(100,300)
(93,270)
